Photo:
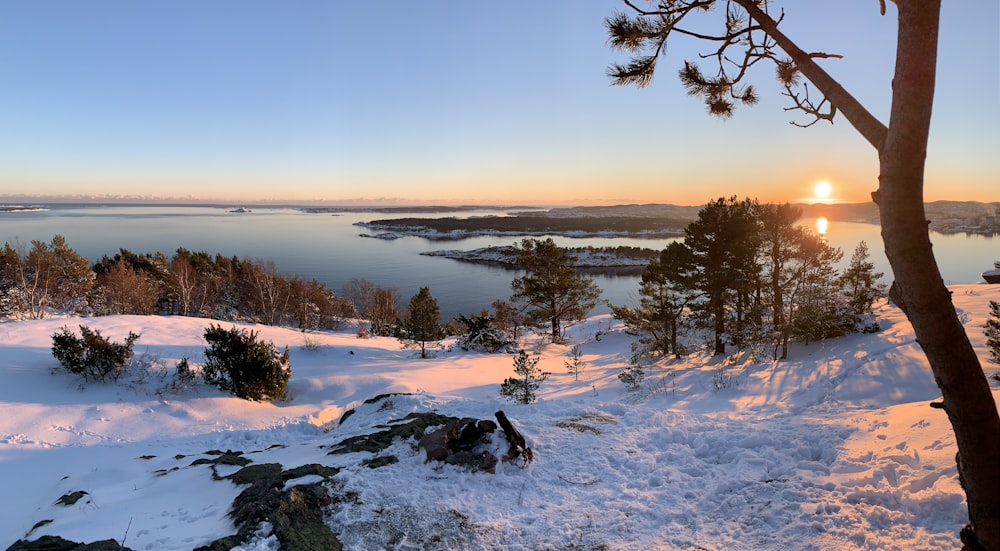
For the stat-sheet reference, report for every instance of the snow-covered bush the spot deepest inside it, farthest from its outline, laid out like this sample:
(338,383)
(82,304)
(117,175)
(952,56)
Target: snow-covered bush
(250,369)
(483,335)
(91,355)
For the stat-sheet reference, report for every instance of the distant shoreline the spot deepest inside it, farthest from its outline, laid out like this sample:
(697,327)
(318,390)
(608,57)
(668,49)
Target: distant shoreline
(661,219)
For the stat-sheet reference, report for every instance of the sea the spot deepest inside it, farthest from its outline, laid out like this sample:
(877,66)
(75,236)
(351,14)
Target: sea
(329,247)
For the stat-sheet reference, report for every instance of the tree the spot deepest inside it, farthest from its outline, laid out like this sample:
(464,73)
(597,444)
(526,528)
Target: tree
(634,374)
(666,289)
(124,290)
(374,303)
(552,291)
(780,237)
(185,283)
(423,324)
(750,34)
(816,310)
(313,306)
(723,242)
(860,282)
(522,389)
(801,290)
(49,275)
(266,291)
(194,281)
(575,362)
(508,318)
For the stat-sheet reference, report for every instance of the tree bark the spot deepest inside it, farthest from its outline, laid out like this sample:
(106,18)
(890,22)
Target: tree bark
(967,398)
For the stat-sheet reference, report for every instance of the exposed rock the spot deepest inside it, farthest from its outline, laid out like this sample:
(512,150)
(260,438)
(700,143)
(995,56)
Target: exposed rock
(411,426)
(482,461)
(55,543)
(71,498)
(295,513)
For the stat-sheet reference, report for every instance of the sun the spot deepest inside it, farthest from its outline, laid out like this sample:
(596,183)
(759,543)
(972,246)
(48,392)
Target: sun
(822,190)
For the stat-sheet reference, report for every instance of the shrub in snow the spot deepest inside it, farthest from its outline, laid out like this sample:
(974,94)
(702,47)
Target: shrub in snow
(250,369)
(633,375)
(522,389)
(575,362)
(91,355)
(482,334)
(183,374)
(724,378)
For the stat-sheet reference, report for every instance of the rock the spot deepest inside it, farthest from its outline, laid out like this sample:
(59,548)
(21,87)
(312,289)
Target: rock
(483,461)
(55,543)
(433,444)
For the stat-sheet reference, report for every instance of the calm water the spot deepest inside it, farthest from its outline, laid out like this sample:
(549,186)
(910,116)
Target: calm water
(328,247)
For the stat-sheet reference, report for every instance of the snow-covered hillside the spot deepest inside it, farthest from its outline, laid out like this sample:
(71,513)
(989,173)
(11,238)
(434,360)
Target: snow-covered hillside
(834,449)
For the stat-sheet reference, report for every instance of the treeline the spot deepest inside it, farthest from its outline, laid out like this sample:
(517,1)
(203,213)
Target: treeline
(747,275)
(53,277)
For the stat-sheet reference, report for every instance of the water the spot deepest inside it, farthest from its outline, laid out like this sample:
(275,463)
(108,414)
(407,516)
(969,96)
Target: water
(328,247)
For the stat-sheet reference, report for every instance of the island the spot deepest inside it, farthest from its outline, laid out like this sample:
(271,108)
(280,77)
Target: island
(608,260)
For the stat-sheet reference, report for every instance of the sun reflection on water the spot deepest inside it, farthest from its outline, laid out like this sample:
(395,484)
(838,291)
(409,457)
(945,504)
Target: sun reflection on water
(822,224)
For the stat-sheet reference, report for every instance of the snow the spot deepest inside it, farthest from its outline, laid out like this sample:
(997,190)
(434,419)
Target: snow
(835,448)
(507,255)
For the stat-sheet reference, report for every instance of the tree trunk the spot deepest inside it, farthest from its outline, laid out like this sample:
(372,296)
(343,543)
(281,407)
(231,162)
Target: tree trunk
(924,298)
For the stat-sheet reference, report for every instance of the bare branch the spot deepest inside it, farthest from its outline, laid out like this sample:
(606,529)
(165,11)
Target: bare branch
(824,55)
(860,118)
(806,105)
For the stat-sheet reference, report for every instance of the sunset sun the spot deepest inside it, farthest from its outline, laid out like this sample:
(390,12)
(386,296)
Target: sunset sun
(822,190)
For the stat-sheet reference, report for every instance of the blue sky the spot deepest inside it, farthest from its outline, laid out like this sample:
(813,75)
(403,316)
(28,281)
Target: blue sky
(447,102)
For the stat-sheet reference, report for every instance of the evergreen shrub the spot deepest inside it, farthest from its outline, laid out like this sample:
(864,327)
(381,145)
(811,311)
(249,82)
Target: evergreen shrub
(522,389)
(91,355)
(248,368)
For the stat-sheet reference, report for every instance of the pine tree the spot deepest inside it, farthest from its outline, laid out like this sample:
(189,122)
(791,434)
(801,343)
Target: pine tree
(574,364)
(423,325)
(522,389)
(666,289)
(552,291)
(634,374)
(724,241)
(860,282)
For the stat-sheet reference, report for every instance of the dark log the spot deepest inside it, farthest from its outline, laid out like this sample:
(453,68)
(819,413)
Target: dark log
(518,446)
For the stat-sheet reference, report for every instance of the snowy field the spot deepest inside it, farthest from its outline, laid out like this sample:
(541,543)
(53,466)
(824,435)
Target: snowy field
(833,449)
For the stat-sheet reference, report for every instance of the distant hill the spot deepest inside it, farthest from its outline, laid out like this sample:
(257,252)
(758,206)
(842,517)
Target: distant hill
(662,219)
(944,216)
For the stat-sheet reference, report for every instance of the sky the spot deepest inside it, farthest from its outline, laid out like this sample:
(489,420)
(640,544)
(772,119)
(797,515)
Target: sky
(449,102)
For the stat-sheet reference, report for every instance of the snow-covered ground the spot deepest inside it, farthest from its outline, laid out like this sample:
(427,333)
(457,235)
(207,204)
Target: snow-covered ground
(833,449)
